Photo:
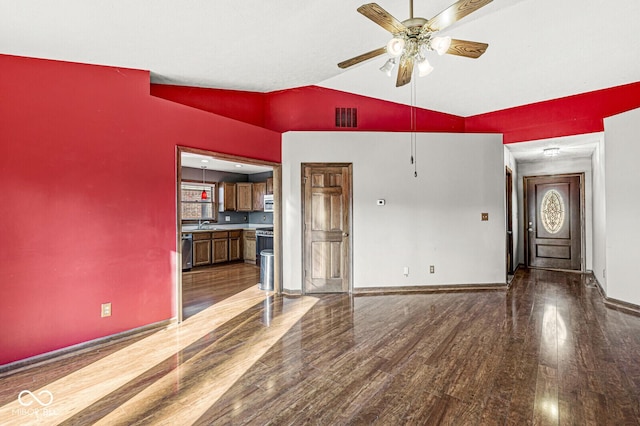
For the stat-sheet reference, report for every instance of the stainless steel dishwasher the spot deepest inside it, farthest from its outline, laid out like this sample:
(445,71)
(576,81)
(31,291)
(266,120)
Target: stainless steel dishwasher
(187,251)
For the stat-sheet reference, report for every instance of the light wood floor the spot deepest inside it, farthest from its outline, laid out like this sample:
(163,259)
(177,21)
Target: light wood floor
(545,352)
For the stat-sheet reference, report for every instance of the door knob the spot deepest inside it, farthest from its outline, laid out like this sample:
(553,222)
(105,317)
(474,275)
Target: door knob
(345,234)
(530,229)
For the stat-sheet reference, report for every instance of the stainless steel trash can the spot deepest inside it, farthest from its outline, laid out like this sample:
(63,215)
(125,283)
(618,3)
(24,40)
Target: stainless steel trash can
(266,270)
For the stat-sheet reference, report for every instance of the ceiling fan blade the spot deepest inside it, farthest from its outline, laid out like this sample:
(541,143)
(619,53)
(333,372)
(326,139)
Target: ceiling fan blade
(361,58)
(404,71)
(454,13)
(468,49)
(382,18)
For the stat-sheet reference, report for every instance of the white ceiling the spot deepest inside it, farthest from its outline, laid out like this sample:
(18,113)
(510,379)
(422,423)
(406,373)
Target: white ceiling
(538,49)
(197,161)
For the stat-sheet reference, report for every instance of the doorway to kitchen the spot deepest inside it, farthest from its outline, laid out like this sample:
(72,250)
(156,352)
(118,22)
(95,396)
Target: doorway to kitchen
(223,202)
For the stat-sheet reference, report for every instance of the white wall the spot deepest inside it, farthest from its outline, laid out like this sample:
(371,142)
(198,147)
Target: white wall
(622,151)
(554,166)
(599,213)
(430,220)
(510,161)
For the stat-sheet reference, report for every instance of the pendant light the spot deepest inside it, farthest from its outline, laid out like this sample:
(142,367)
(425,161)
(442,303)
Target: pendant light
(203,196)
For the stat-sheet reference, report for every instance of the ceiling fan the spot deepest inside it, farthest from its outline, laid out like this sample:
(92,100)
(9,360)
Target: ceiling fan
(414,37)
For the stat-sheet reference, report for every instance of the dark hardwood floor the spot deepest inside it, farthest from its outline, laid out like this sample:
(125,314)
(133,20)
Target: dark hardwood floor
(202,287)
(545,352)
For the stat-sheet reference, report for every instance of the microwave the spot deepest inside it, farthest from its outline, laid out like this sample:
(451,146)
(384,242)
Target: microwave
(268,203)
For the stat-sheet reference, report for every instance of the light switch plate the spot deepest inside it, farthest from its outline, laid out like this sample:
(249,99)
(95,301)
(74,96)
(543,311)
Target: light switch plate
(485,216)
(381,202)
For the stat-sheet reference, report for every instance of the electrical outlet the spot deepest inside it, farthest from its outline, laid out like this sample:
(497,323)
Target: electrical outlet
(227,218)
(432,269)
(105,310)
(485,216)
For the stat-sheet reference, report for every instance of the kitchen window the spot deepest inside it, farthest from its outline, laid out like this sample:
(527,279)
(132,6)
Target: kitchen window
(194,206)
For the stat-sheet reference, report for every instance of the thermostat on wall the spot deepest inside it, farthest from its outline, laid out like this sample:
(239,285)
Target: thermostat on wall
(381,202)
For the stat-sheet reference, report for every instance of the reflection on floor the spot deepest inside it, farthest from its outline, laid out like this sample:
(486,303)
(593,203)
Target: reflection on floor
(202,287)
(545,352)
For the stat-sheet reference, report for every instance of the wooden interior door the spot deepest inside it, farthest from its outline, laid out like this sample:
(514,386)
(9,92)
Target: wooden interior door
(554,226)
(327,205)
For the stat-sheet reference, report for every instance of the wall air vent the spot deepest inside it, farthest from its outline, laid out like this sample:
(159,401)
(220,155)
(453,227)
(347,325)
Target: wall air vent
(347,117)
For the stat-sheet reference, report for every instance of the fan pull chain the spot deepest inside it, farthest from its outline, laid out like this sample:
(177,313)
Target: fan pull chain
(414,154)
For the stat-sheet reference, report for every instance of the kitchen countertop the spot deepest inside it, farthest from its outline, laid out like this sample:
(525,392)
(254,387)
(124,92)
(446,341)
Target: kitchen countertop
(225,227)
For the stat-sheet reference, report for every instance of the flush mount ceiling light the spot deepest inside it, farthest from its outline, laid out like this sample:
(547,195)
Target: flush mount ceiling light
(415,37)
(204,161)
(551,152)
(238,165)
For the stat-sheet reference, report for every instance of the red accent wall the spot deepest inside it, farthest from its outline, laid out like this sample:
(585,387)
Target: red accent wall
(571,115)
(83,223)
(243,106)
(308,108)
(313,108)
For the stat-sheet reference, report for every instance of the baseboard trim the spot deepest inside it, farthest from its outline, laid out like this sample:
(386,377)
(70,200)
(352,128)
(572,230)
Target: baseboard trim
(37,360)
(619,305)
(451,288)
(287,292)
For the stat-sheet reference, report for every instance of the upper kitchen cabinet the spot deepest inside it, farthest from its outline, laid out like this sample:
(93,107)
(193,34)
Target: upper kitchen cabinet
(244,197)
(269,185)
(227,197)
(259,189)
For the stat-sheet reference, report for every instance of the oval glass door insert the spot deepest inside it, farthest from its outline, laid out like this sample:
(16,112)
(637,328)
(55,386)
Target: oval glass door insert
(552,211)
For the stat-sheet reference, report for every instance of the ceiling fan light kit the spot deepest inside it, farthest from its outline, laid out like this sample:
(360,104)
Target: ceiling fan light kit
(413,38)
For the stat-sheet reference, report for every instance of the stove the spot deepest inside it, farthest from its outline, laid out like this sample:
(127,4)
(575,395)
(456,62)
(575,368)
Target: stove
(264,232)
(264,241)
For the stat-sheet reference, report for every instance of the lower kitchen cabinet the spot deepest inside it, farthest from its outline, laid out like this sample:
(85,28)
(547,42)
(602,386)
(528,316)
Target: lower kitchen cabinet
(235,245)
(249,246)
(220,247)
(224,246)
(201,249)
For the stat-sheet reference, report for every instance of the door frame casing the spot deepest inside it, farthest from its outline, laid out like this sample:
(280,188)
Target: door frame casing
(509,219)
(277,215)
(349,259)
(525,226)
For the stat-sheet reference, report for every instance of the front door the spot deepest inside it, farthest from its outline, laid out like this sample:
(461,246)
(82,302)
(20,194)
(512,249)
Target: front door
(326,209)
(554,227)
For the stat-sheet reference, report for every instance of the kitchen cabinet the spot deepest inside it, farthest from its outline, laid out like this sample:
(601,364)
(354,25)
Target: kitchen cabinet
(227,197)
(249,246)
(201,248)
(244,196)
(259,189)
(235,245)
(220,247)
(269,185)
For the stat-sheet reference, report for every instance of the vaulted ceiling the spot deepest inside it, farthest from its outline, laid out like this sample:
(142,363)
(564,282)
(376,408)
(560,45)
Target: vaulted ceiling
(538,49)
